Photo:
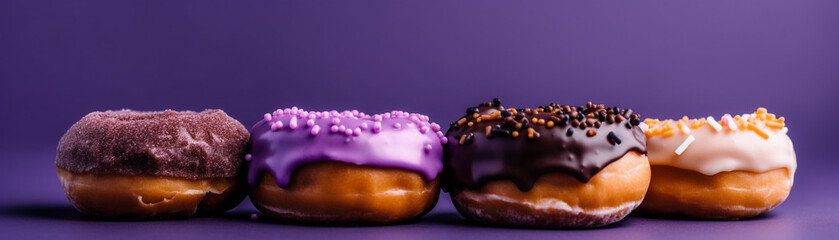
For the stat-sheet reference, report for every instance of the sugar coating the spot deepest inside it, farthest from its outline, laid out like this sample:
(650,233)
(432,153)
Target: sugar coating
(169,143)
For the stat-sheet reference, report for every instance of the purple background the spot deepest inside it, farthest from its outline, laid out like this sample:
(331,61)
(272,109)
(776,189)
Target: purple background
(62,59)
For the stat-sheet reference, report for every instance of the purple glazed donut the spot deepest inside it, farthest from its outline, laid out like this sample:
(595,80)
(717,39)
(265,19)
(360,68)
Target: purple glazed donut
(345,167)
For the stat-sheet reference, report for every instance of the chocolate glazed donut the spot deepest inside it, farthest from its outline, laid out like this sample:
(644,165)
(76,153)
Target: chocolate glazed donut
(554,166)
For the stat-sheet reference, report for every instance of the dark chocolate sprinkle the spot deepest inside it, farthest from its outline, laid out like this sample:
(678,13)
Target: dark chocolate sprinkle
(569,132)
(471,110)
(500,132)
(614,138)
(505,113)
(496,102)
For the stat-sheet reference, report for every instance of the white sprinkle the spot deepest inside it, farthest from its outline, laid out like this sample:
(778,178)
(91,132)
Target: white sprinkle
(644,127)
(732,125)
(784,130)
(684,145)
(714,124)
(685,129)
(745,116)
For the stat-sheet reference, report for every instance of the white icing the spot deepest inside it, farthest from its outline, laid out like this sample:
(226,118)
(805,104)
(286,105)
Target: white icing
(713,152)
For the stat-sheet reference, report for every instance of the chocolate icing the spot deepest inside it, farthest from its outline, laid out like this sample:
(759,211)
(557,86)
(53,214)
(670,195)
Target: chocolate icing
(172,144)
(291,137)
(508,144)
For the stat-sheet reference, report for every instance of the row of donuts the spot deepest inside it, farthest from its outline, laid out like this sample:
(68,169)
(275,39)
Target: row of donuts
(553,166)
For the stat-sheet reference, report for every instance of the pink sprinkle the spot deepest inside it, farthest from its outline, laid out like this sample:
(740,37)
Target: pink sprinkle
(414,119)
(277,125)
(248,156)
(348,131)
(267,117)
(377,127)
(254,216)
(310,123)
(356,132)
(377,118)
(355,112)
(293,123)
(427,148)
(336,120)
(444,140)
(440,135)
(315,129)
(342,128)
(363,126)
(334,128)
(423,129)
(397,125)
(312,116)
(435,127)
(386,116)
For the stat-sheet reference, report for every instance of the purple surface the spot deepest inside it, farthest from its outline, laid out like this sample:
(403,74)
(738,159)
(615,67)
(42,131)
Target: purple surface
(62,59)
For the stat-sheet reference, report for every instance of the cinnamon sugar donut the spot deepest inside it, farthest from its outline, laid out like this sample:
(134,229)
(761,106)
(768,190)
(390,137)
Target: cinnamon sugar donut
(345,167)
(734,168)
(148,165)
(554,166)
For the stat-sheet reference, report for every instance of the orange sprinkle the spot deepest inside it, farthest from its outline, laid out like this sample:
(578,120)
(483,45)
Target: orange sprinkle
(471,123)
(489,131)
(515,134)
(530,132)
(534,120)
(761,110)
(461,121)
(475,115)
(668,133)
(478,120)
(757,130)
(775,125)
(541,121)
(550,124)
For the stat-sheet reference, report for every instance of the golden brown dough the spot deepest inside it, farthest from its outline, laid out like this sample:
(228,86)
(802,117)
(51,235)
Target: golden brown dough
(726,195)
(144,197)
(342,193)
(559,200)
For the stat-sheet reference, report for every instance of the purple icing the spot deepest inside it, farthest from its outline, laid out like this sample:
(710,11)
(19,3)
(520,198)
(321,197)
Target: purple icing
(279,144)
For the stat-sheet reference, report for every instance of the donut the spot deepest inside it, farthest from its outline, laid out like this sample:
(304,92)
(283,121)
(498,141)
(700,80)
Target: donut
(555,166)
(344,168)
(734,168)
(137,165)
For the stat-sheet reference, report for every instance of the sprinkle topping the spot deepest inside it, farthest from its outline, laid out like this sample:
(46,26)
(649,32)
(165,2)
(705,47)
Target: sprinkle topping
(760,122)
(493,120)
(682,147)
(334,121)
